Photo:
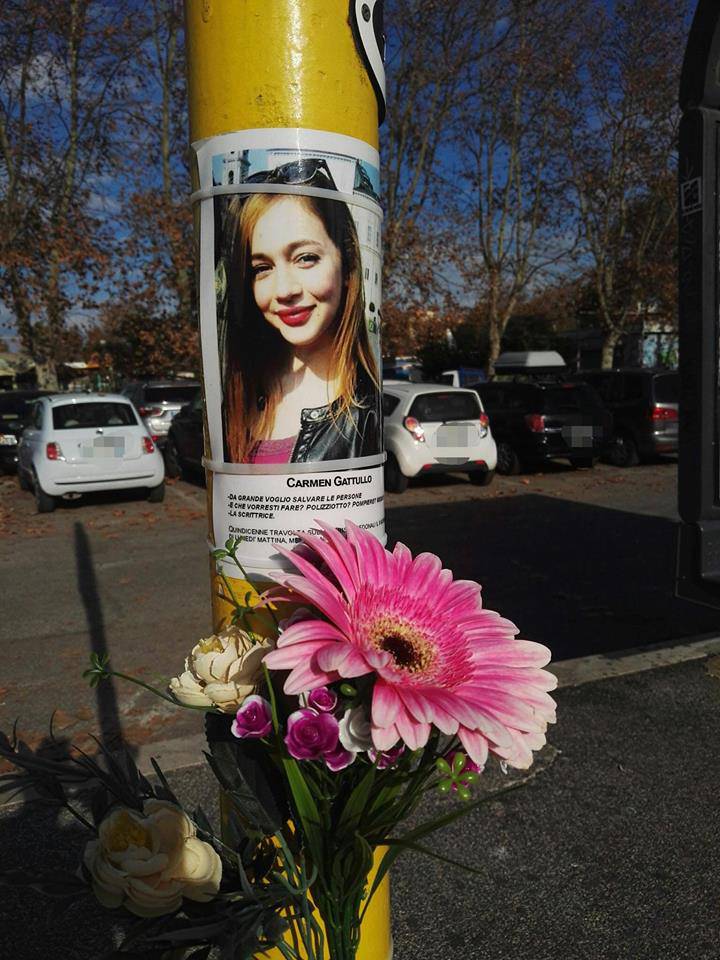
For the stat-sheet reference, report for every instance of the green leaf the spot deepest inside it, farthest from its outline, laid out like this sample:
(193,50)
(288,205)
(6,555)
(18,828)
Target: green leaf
(246,771)
(350,867)
(439,822)
(420,848)
(306,809)
(356,804)
(51,883)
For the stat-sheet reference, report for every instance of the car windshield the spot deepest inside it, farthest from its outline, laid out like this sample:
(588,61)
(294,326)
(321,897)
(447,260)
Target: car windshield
(667,388)
(72,416)
(11,408)
(442,407)
(570,399)
(171,394)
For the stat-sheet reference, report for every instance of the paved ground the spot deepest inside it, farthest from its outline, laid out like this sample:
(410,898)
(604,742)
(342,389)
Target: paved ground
(581,560)
(608,853)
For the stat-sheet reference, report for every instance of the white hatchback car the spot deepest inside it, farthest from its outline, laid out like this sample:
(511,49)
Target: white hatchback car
(431,428)
(78,443)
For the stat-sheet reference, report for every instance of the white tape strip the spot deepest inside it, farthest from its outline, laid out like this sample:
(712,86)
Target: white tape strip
(355,199)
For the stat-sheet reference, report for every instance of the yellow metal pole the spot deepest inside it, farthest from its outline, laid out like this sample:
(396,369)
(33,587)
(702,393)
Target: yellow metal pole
(268,64)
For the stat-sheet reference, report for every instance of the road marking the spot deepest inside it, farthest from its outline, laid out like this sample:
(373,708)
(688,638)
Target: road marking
(573,673)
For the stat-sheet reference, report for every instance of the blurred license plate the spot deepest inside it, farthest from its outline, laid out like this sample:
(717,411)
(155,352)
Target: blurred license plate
(452,435)
(578,436)
(107,447)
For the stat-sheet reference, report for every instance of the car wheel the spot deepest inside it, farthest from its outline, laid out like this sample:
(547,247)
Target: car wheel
(583,463)
(157,494)
(23,481)
(45,503)
(481,478)
(508,462)
(395,479)
(624,451)
(173,463)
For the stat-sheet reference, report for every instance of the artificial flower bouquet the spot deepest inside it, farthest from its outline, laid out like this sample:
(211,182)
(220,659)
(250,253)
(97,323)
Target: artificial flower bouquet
(378,678)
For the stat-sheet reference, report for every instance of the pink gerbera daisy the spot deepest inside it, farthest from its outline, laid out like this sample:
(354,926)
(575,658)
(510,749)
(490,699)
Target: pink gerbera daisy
(439,659)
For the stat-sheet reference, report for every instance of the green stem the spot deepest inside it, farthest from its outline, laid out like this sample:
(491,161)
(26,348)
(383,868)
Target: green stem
(158,693)
(243,571)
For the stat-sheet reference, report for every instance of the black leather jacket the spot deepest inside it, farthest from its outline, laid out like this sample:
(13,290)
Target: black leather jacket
(355,433)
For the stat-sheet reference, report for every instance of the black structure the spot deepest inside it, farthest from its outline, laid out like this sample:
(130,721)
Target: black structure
(699,255)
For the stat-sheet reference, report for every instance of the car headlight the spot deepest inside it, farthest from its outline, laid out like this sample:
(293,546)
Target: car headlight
(8,440)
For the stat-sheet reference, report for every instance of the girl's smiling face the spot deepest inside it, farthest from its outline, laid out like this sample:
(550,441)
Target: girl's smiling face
(296,272)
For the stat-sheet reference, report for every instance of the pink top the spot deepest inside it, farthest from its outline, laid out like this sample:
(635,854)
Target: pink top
(273,451)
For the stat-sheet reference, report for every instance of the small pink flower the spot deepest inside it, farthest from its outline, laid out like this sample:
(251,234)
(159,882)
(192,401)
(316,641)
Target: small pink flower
(310,735)
(387,758)
(339,758)
(322,699)
(253,719)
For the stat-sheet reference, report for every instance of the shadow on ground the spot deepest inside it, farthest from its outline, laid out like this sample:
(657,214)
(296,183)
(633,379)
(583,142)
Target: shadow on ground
(582,579)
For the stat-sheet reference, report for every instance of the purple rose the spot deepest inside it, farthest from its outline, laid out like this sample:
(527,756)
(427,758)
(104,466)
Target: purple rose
(387,758)
(339,758)
(311,734)
(253,719)
(322,699)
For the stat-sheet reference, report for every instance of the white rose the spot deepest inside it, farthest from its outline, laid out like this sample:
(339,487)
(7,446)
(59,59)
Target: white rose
(222,670)
(355,730)
(147,862)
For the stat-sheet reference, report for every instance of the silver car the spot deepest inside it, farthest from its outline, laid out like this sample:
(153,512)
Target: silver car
(157,402)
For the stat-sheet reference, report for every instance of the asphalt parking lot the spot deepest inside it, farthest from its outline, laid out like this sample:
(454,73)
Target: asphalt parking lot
(581,560)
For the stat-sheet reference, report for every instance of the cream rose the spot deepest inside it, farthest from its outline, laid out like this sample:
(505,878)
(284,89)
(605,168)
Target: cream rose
(147,862)
(355,730)
(222,670)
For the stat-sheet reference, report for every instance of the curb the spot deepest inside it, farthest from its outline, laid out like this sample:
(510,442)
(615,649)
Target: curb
(573,673)
(185,752)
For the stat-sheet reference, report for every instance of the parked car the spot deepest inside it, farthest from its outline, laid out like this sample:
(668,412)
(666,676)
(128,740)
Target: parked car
(435,429)
(644,405)
(85,442)
(157,402)
(15,415)
(185,442)
(541,420)
(462,377)
(402,368)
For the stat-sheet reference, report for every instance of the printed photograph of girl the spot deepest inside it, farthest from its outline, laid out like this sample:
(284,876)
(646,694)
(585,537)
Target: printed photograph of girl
(300,379)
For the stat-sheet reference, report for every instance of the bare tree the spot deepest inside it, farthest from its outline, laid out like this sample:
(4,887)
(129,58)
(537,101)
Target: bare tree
(150,317)
(622,122)
(61,81)
(434,50)
(510,210)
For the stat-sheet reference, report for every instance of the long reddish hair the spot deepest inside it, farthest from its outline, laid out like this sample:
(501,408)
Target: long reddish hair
(256,354)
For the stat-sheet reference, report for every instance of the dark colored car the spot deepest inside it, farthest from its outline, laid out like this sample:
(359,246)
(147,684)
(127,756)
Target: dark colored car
(15,415)
(537,421)
(184,447)
(157,402)
(644,405)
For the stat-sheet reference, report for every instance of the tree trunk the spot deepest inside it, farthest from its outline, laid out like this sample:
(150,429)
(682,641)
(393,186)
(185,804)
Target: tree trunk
(610,341)
(495,335)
